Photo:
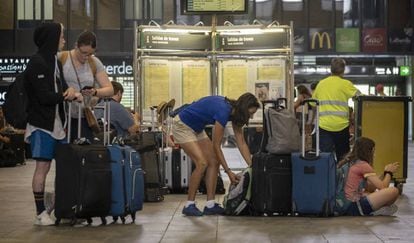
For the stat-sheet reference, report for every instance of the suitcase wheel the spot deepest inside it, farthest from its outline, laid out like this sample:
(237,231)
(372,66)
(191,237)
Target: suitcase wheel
(115,218)
(293,208)
(103,219)
(73,221)
(88,220)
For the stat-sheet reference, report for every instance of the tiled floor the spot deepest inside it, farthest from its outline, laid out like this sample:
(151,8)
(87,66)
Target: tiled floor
(163,222)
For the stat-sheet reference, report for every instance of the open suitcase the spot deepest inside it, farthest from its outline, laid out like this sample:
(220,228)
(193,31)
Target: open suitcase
(313,177)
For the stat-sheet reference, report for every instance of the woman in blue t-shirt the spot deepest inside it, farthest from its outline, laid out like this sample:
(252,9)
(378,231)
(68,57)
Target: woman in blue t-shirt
(188,132)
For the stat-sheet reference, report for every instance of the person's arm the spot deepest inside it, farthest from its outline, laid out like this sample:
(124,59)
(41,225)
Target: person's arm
(106,89)
(134,129)
(218,132)
(242,145)
(298,101)
(375,180)
(4,139)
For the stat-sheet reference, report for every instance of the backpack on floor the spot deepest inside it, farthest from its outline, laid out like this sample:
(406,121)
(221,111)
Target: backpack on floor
(15,105)
(341,202)
(237,200)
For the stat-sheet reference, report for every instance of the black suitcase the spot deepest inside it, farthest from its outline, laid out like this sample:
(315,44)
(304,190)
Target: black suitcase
(271,177)
(253,137)
(83,180)
(272,184)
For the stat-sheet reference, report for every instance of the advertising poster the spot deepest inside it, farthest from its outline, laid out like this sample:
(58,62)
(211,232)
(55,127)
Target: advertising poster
(196,80)
(347,40)
(400,40)
(300,40)
(156,82)
(321,40)
(374,40)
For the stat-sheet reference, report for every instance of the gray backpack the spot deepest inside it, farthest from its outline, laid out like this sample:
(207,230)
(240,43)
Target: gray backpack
(283,131)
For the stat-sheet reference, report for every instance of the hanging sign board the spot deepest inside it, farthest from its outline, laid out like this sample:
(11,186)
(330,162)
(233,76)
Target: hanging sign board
(175,41)
(256,39)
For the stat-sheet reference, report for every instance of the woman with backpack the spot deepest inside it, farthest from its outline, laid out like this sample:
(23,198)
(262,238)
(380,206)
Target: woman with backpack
(188,132)
(368,193)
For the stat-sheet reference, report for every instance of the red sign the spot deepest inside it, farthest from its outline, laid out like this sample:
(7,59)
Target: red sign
(374,40)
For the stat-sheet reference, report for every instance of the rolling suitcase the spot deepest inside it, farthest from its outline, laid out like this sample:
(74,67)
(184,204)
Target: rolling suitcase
(177,170)
(127,182)
(272,177)
(148,148)
(127,175)
(83,180)
(314,177)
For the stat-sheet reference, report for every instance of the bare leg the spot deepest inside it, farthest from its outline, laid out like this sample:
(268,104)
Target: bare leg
(195,152)
(384,197)
(39,177)
(212,168)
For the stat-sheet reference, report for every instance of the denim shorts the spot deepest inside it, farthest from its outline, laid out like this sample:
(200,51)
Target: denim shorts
(43,145)
(360,208)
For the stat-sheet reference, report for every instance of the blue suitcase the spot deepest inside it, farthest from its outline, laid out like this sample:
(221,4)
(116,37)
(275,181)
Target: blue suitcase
(127,182)
(313,178)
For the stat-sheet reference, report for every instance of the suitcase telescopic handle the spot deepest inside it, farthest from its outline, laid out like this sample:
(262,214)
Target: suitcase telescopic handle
(106,120)
(70,121)
(316,103)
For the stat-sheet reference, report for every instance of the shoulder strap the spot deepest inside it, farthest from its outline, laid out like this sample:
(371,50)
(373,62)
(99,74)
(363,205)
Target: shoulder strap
(92,64)
(63,57)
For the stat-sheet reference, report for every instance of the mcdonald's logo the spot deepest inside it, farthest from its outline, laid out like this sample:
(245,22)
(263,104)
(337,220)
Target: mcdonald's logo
(321,37)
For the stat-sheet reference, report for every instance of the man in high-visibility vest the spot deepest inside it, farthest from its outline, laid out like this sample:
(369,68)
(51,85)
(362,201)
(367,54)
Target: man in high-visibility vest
(333,94)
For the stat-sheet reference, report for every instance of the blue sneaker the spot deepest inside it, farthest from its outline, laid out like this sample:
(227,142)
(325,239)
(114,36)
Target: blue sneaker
(214,210)
(192,210)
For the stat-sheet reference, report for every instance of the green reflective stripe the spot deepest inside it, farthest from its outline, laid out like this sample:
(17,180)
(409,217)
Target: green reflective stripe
(333,113)
(333,102)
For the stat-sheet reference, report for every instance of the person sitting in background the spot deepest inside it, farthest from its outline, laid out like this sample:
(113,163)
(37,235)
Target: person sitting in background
(369,194)
(121,119)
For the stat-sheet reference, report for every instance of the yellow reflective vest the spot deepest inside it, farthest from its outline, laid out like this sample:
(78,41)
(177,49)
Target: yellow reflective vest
(333,94)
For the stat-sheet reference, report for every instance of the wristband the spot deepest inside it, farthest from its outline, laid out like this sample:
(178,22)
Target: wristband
(388,172)
(95,93)
(227,171)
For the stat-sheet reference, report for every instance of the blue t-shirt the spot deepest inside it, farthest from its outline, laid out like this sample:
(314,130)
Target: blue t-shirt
(121,118)
(206,111)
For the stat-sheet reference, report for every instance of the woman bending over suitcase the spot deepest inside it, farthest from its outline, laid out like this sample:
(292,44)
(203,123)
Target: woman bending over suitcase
(188,132)
(369,193)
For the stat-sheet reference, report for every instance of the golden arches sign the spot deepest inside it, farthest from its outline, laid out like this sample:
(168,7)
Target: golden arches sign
(320,37)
